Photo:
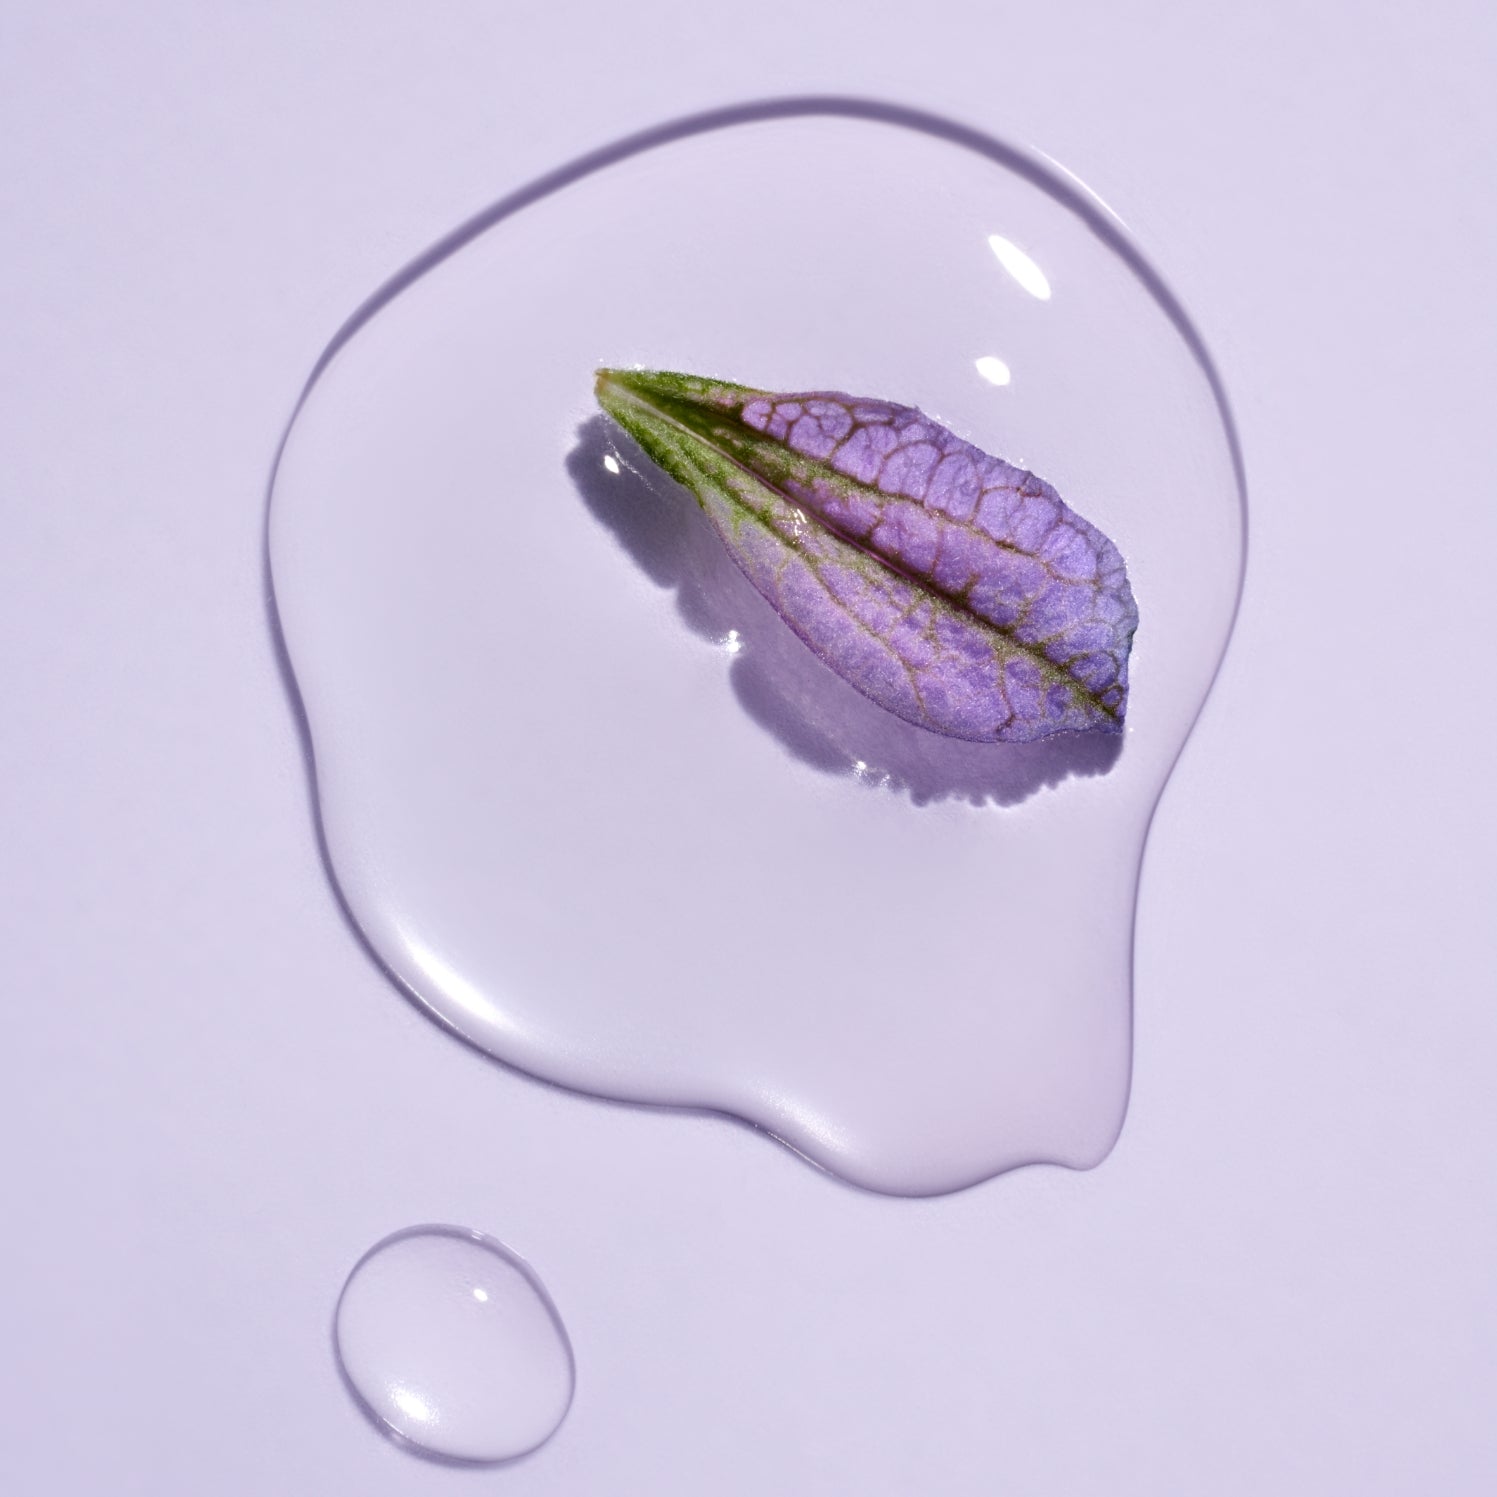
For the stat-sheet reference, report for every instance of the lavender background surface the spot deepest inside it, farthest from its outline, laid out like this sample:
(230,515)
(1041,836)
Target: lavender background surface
(1280,1281)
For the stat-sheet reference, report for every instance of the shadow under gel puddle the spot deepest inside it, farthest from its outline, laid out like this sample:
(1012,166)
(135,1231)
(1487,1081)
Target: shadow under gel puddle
(816,715)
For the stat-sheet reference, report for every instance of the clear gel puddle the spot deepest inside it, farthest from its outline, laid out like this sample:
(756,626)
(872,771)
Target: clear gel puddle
(451,1344)
(587,798)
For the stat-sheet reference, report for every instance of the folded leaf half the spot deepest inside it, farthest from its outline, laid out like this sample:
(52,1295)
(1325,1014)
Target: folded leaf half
(952,588)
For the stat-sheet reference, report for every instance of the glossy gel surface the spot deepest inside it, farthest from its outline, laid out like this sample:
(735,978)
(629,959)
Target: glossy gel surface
(583,793)
(453,1347)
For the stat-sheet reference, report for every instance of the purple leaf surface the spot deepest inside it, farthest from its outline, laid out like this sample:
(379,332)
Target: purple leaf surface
(955,590)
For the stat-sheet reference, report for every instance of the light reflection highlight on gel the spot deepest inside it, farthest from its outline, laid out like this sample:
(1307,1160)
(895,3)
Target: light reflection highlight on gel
(994,370)
(1020,266)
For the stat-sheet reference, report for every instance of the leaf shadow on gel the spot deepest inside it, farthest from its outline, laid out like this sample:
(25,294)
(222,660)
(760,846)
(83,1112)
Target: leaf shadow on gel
(815,715)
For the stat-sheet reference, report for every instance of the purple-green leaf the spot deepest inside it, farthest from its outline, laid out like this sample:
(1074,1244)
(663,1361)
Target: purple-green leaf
(955,590)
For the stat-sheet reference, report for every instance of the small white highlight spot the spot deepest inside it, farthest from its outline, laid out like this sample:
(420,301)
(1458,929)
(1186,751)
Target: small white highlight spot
(1020,266)
(481,1295)
(413,1405)
(732,644)
(611,462)
(456,989)
(994,370)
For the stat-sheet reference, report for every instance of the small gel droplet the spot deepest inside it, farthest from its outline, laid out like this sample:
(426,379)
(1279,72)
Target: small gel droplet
(453,1346)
